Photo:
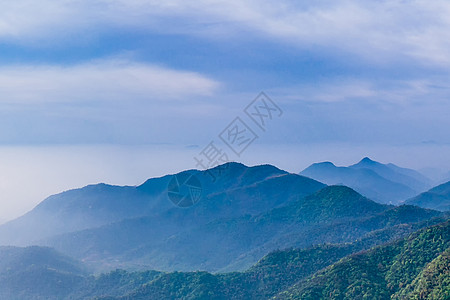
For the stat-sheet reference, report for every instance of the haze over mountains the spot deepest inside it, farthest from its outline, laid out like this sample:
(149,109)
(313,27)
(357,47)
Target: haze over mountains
(244,214)
(99,216)
(386,183)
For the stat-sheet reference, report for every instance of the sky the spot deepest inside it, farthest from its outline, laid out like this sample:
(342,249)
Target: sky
(119,91)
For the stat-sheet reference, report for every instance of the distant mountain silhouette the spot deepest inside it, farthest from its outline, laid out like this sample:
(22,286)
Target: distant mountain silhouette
(385,183)
(408,177)
(437,198)
(244,213)
(244,216)
(102,204)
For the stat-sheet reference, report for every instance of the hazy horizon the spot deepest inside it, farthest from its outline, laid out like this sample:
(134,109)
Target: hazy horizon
(30,174)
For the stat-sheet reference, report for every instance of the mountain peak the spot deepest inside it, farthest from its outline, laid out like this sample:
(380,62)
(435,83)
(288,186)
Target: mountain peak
(335,202)
(326,164)
(341,193)
(231,164)
(367,160)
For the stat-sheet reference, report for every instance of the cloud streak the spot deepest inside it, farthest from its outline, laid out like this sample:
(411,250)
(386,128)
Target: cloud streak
(375,30)
(108,80)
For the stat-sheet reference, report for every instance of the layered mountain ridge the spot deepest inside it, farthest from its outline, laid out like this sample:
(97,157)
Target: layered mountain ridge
(413,263)
(437,198)
(226,245)
(385,183)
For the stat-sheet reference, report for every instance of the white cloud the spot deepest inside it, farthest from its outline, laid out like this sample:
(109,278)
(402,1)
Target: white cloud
(378,30)
(100,81)
(419,92)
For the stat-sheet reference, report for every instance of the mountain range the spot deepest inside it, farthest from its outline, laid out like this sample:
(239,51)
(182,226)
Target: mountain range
(437,198)
(114,225)
(414,266)
(101,204)
(385,183)
(243,214)
(217,234)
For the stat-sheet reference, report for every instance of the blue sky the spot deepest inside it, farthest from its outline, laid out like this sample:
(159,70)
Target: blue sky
(111,71)
(360,74)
